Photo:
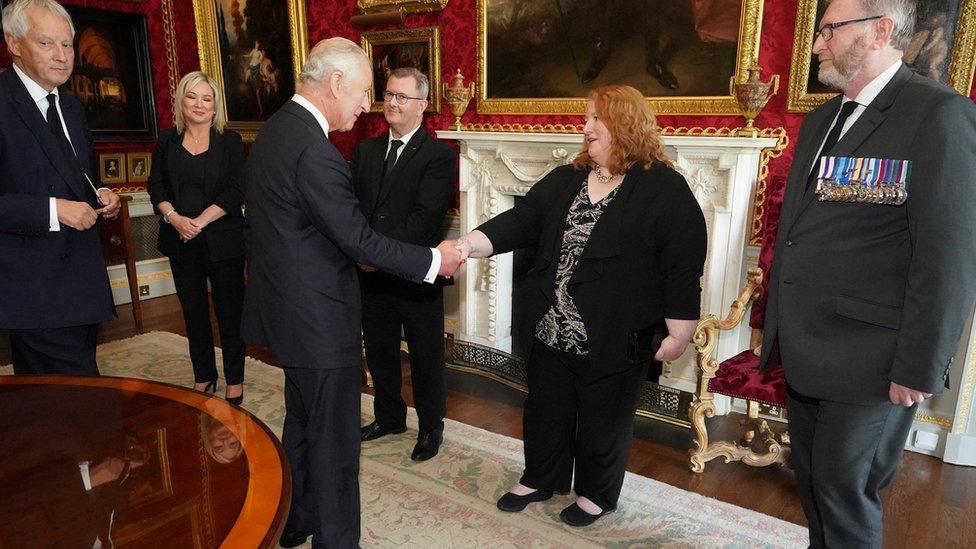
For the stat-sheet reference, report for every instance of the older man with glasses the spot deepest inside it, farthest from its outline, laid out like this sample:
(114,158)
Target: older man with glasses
(405,182)
(873,274)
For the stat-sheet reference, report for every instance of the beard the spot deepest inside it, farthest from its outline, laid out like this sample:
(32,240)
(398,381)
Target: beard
(845,68)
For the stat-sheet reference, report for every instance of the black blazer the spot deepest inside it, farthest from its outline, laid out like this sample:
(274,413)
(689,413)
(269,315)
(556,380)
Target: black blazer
(642,263)
(223,186)
(409,204)
(305,235)
(864,294)
(47,279)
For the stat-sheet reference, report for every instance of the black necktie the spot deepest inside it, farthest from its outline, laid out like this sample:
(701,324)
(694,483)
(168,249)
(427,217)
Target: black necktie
(391,157)
(54,123)
(845,112)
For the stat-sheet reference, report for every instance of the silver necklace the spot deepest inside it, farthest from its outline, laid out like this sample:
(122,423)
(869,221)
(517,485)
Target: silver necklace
(604,179)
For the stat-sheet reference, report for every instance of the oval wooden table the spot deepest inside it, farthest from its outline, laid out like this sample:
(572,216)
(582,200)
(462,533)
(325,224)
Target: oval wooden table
(136,463)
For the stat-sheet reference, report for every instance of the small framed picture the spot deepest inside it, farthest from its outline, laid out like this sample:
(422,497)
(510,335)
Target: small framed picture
(418,48)
(139,164)
(111,167)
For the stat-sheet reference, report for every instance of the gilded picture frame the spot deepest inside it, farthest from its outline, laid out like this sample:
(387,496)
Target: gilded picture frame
(111,168)
(721,101)
(255,78)
(388,50)
(406,6)
(138,166)
(959,64)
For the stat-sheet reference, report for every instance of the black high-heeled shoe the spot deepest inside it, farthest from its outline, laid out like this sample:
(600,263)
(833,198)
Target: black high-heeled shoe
(211,387)
(236,401)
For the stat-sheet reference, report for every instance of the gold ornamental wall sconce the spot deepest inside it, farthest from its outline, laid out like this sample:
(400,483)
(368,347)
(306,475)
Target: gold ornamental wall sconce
(458,96)
(752,95)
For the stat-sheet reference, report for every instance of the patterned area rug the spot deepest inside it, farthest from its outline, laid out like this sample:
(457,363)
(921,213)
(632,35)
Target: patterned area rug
(449,501)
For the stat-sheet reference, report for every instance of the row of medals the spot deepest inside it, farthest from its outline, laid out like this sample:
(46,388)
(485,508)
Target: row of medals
(888,194)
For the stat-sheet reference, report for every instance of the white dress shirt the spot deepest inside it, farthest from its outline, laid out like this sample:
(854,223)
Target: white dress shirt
(403,141)
(320,118)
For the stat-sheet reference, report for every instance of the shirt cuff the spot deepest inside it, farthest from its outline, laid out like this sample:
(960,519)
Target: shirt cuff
(52,219)
(435,266)
(85,474)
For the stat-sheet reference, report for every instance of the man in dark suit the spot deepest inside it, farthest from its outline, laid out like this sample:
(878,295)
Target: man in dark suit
(867,300)
(302,301)
(52,274)
(405,183)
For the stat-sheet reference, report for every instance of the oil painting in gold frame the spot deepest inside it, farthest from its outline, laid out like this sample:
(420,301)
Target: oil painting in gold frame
(723,41)
(418,48)
(407,6)
(943,47)
(254,50)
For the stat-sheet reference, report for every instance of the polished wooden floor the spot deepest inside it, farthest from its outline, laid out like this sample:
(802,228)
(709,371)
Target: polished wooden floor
(929,504)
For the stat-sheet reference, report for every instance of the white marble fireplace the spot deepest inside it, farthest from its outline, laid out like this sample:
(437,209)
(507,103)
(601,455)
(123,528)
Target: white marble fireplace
(497,167)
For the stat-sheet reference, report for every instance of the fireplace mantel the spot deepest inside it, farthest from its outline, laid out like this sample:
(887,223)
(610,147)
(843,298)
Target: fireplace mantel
(496,167)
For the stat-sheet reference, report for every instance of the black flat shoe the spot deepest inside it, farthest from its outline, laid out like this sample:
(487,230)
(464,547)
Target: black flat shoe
(427,446)
(575,516)
(374,431)
(513,503)
(289,539)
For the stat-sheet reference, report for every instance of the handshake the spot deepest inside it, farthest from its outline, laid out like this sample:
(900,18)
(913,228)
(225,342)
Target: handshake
(453,254)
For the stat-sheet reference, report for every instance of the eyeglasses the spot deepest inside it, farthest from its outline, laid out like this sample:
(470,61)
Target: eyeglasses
(399,98)
(827,31)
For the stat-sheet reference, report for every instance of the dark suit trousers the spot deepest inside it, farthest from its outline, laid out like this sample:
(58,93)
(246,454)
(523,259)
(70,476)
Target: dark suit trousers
(843,455)
(422,319)
(321,439)
(192,269)
(569,425)
(55,351)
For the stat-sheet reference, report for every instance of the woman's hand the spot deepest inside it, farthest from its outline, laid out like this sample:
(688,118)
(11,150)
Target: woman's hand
(185,226)
(671,348)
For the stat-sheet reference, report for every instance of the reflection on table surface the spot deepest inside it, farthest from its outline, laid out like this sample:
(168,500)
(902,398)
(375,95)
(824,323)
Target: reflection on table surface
(131,463)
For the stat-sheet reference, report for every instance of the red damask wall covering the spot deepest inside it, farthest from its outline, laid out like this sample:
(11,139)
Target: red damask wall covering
(173,50)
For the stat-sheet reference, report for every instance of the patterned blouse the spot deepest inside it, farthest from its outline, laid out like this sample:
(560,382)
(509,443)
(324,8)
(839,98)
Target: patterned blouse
(562,327)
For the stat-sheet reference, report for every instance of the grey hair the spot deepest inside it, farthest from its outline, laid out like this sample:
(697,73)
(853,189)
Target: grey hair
(423,85)
(189,82)
(15,16)
(330,56)
(902,12)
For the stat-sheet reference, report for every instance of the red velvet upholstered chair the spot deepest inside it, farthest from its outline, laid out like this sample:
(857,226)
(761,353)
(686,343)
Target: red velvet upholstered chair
(737,377)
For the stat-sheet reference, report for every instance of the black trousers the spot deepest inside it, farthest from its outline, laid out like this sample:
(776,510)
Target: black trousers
(60,351)
(573,427)
(843,455)
(321,440)
(192,269)
(422,319)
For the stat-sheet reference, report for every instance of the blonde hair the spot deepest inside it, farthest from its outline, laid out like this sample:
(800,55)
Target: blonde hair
(632,126)
(188,82)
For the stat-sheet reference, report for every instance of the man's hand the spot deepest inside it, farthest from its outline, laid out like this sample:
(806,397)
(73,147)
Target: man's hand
(464,247)
(671,348)
(905,396)
(74,214)
(111,202)
(185,226)
(450,258)
(366,268)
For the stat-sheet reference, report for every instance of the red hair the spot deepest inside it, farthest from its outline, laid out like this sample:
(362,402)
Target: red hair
(632,126)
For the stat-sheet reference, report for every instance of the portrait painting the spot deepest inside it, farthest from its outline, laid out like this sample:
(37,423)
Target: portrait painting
(111,168)
(112,77)
(254,50)
(139,164)
(543,56)
(413,48)
(941,48)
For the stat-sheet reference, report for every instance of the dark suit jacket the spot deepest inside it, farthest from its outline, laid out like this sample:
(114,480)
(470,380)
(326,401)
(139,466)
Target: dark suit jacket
(223,186)
(409,204)
(305,234)
(642,263)
(861,294)
(47,279)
